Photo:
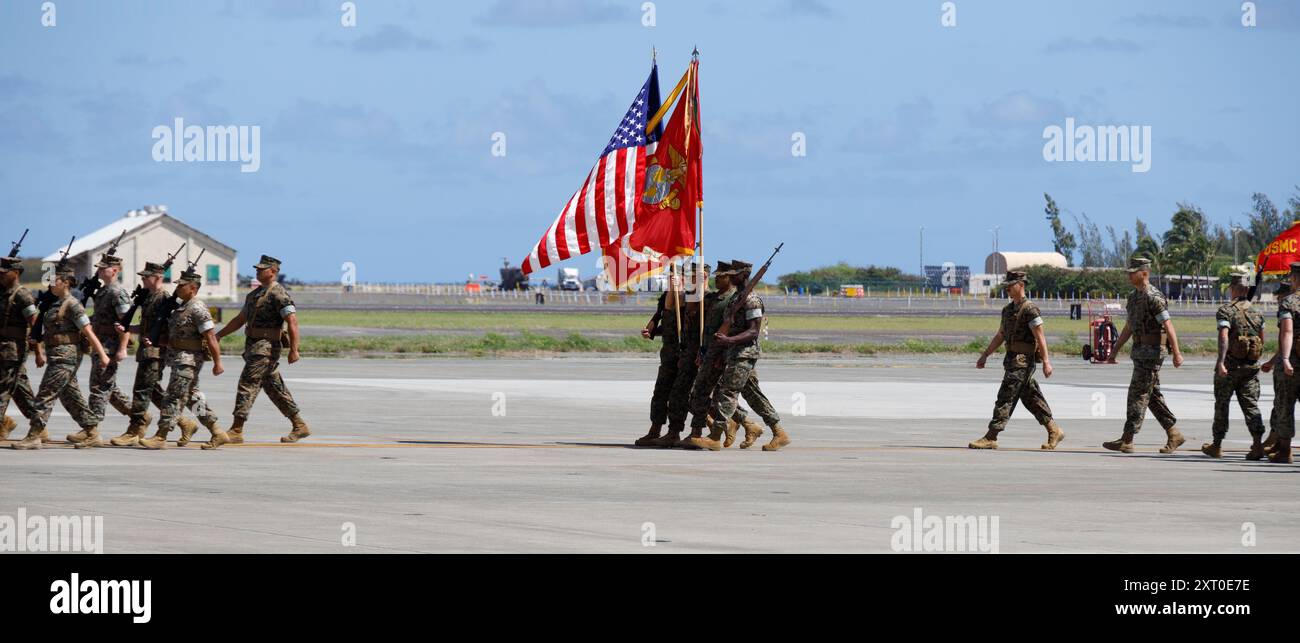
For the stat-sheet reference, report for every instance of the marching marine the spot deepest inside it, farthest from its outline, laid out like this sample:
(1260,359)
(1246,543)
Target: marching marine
(1151,328)
(739,338)
(1022,330)
(111,301)
(267,310)
(1287,383)
(1241,342)
(17,314)
(191,339)
(65,326)
(1270,442)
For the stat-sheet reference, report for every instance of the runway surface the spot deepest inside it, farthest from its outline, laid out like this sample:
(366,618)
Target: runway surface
(487,455)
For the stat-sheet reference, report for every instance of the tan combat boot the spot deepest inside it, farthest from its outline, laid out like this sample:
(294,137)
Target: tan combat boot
(92,439)
(989,441)
(77,437)
(32,441)
(779,439)
(711,443)
(729,433)
(651,438)
(235,434)
(1124,444)
(1213,449)
(7,425)
(134,432)
(300,430)
(1055,436)
(753,431)
(1174,439)
(1282,453)
(158,441)
(1270,442)
(695,434)
(187,427)
(219,438)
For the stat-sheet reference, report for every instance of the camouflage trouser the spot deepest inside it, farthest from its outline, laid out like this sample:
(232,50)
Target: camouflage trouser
(679,398)
(668,364)
(738,378)
(1143,393)
(183,391)
(1278,373)
(146,388)
(104,390)
(59,382)
(1244,382)
(703,388)
(15,385)
(1018,384)
(1286,391)
(262,372)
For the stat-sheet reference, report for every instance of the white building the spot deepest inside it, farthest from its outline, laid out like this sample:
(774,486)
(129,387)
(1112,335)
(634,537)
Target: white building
(999,263)
(151,235)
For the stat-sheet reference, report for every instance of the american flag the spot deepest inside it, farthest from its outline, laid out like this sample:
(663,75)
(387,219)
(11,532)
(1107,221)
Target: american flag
(604,208)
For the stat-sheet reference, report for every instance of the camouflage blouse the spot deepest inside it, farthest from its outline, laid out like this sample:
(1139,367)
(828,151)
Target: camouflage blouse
(1019,322)
(185,330)
(752,309)
(64,320)
(111,302)
(16,305)
(266,309)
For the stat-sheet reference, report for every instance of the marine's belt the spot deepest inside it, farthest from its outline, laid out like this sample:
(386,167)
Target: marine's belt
(62,339)
(1148,339)
(192,345)
(1024,348)
(13,332)
(272,334)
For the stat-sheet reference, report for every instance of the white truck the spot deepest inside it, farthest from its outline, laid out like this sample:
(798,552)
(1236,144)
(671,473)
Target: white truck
(568,279)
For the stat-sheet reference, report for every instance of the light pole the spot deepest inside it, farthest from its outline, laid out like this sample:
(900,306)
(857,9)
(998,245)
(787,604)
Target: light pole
(1235,229)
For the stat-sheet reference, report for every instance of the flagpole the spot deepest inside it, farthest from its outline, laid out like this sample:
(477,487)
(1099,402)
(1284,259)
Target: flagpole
(677,299)
(699,205)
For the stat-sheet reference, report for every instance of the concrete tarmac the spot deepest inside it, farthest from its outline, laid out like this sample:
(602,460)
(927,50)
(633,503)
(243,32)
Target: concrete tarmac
(533,455)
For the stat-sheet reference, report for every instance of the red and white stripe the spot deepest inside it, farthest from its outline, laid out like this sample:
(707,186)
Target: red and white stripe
(603,210)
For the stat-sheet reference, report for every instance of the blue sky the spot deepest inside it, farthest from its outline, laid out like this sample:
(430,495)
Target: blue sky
(376,140)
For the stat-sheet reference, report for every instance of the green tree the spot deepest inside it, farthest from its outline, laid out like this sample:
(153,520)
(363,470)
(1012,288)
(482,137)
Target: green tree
(1263,223)
(1187,246)
(1062,240)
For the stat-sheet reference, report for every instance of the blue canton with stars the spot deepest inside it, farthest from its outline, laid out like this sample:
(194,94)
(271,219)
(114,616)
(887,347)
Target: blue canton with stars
(631,131)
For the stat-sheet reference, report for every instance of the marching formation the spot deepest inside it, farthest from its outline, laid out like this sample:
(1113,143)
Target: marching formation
(704,373)
(1241,339)
(176,331)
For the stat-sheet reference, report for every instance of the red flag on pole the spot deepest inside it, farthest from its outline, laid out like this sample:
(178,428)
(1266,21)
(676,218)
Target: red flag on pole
(665,216)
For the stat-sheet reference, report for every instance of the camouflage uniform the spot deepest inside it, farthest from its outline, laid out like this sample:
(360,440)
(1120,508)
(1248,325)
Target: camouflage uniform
(147,386)
(111,302)
(669,362)
(186,352)
(62,339)
(1147,312)
(17,305)
(1018,383)
(1287,387)
(712,361)
(738,374)
(679,395)
(265,310)
(1243,373)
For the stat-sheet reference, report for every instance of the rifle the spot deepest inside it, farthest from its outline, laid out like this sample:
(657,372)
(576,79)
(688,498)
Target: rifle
(90,285)
(740,300)
(165,308)
(140,295)
(47,298)
(13,250)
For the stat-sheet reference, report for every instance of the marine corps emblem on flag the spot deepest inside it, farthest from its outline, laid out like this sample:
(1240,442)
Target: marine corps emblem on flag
(661,183)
